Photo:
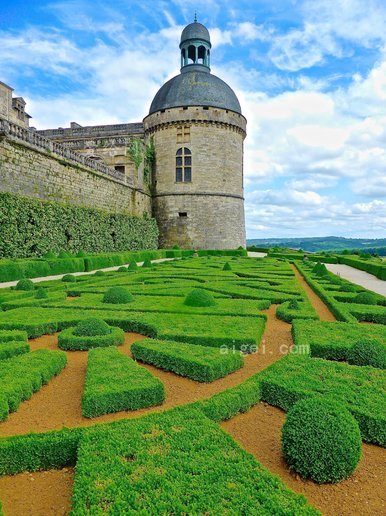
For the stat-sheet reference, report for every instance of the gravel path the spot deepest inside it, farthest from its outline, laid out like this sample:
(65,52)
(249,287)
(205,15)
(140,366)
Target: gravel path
(364,279)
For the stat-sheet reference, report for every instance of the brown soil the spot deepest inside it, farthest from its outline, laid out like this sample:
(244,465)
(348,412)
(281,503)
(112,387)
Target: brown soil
(43,493)
(259,432)
(321,309)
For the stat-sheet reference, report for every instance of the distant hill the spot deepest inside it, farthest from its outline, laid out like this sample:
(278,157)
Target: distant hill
(317,244)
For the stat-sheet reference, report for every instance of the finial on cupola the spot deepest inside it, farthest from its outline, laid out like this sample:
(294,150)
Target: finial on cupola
(195,16)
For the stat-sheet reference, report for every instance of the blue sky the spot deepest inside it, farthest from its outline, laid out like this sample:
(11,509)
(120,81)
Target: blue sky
(310,76)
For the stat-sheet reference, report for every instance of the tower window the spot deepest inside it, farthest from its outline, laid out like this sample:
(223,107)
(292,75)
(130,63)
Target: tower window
(182,214)
(183,165)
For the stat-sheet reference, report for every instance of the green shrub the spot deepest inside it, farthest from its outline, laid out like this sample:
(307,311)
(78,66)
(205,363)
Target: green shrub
(25,284)
(22,375)
(199,297)
(293,305)
(69,278)
(133,266)
(70,342)
(100,273)
(320,269)
(115,382)
(81,254)
(227,267)
(367,352)
(91,327)
(122,269)
(346,287)
(200,363)
(50,255)
(365,298)
(321,440)
(64,254)
(13,348)
(118,296)
(147,263)
(41,293)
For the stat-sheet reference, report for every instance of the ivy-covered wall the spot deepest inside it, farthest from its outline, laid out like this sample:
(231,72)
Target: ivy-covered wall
(30,227)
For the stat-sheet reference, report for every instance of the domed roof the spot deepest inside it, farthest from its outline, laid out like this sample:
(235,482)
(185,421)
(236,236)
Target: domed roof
(195,88)
(195,30)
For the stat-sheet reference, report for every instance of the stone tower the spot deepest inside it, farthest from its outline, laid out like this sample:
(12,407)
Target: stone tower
(198,130)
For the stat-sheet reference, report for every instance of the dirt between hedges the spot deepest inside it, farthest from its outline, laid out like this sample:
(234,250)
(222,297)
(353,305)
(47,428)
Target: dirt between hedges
(258,431)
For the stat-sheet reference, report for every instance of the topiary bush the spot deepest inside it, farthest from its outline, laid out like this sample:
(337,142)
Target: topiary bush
(81,254)
(227,267)
(367,352)
(91,327)
(320,269)
(90,333)
(365,298)
(133,266)
(293,305)
(41,293)
(99,273)
(122,269)
(118,296)
(321,440)
(25,284)
(69,278)
(50,255)
(346,287)
(199,297)
(64,254)
(147,263)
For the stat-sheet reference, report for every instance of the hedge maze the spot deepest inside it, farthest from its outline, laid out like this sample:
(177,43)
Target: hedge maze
(203,317)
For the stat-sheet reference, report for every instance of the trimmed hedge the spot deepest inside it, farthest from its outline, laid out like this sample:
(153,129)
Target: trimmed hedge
(199,297)
(23,375)
(115,382)
(377,269)
(367,352)
(176,462)
(31,227)
(332,340)
(200,363)
(360,389)
(118,296)
(288,311)
(13,348)
(321,440)
(69,341)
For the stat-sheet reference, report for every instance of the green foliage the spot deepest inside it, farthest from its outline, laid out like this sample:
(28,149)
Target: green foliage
(118,296)
(293,305)
(50,255)
(360,389)
(378,269)
(25,284)
(177,462)
(147,263)
(92,327)
(200,363)
(333,340)
(133,266)
(64,254)
(122,269)
(291,310)
(346,287)
(70,342)
(22,375)
(366,298)
(368,352)
(199,297)
(69,278)
(13,348)
(115,382)
(320,269)
(227,267)
(31,227)
(321,440)
(41,293)
(100,273)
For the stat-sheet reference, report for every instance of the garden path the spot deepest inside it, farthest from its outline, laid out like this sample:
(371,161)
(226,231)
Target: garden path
(364,279)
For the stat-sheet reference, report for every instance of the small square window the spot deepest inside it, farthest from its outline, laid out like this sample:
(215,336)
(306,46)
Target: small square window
(182,214)
(120,168)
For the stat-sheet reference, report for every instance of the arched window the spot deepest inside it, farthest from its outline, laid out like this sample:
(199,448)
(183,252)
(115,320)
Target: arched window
(183,165)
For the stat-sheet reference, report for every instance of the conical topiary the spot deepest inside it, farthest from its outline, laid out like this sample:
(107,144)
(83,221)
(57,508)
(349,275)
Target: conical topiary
(133,266)
(147,263)
(227,267)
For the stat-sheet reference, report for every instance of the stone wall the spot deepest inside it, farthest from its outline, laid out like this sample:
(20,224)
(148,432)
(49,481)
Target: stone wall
(32,170)
(208,212)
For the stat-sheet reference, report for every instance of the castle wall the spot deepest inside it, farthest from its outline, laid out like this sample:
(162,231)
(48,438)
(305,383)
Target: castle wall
(208,212)
(32,169)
